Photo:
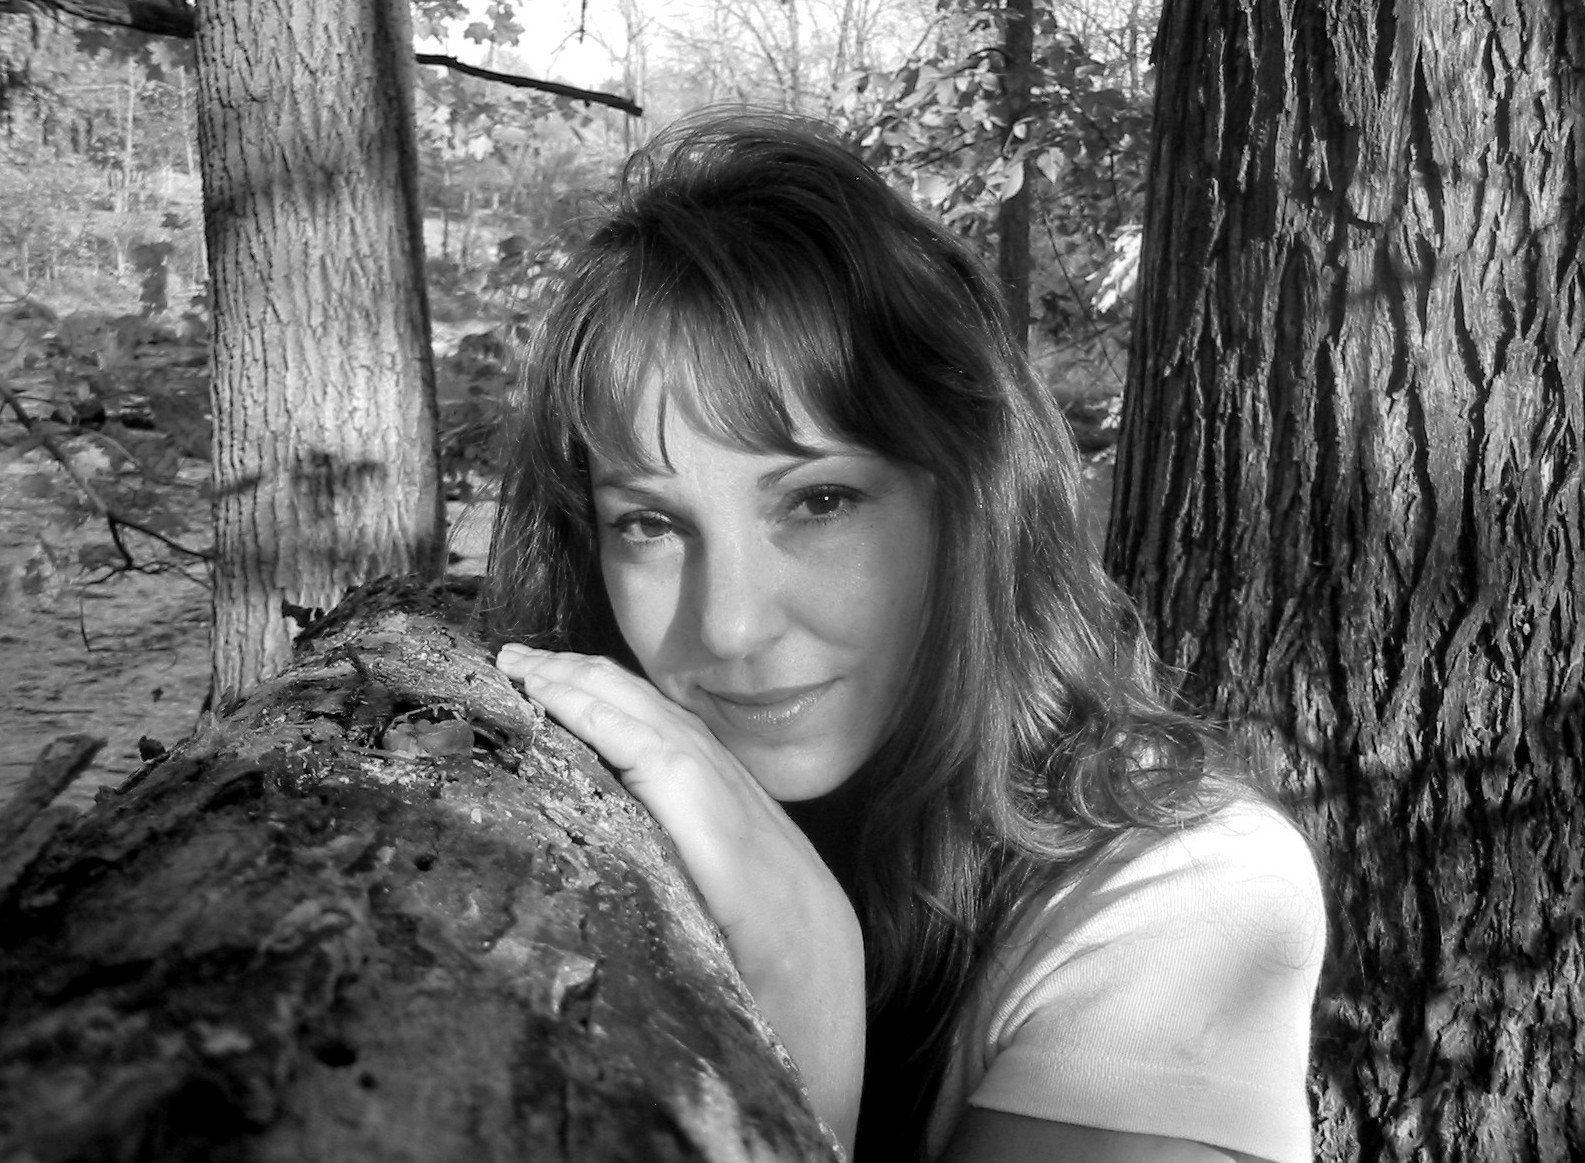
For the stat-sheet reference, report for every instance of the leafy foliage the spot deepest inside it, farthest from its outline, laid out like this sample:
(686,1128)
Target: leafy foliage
(98,190)
(940,127)
(99,203)
(493,23)
(504,173)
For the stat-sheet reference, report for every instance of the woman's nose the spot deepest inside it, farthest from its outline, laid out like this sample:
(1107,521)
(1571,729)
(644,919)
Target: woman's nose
(742,606)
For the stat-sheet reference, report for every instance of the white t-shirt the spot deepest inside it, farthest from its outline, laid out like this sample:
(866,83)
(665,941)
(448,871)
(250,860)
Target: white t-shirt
(1168,992)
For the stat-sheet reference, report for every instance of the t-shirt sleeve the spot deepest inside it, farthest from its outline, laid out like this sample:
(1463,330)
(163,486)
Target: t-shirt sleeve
(1170,993)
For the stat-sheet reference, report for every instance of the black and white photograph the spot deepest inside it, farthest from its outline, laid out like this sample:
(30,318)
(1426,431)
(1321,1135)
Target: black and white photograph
(792,581)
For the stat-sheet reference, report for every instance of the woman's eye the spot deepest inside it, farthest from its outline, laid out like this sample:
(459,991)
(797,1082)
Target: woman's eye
(824,501)
(642,527)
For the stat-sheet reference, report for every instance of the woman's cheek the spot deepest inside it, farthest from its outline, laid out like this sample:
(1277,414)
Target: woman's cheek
(643,599)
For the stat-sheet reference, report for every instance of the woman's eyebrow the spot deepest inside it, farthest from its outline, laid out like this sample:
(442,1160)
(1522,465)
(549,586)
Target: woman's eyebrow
(814,456)
(628,474)
(625,480)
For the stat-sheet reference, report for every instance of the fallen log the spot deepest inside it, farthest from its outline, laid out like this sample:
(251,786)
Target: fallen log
(381,910)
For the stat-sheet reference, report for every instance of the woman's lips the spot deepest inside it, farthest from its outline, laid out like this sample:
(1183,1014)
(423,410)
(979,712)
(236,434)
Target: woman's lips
(768,710)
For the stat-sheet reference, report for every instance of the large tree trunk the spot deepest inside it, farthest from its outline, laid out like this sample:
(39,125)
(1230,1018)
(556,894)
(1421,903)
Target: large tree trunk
(1350,503)
(325,465)
(381,911)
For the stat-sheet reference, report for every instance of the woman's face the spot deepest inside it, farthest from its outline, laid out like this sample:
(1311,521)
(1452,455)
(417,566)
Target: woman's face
(780,598)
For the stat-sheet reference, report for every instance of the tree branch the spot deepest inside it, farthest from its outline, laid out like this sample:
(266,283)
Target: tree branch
(167,18)
(175,18)
(27,820)
(116,520)
(590,96)
(53,771)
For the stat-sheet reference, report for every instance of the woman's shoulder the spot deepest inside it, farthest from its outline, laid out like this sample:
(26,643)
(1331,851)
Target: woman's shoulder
(1243,878)
(1245,835)
(1245,839)
(1165,990)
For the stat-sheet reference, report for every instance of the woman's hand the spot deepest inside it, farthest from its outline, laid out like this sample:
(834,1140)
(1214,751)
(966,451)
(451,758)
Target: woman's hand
(790,928)
(739,846)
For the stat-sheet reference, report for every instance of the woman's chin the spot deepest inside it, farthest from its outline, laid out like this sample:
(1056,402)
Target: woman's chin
(794,779)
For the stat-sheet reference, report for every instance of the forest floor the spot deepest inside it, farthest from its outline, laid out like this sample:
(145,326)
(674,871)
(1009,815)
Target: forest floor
(124,656)
(121,659)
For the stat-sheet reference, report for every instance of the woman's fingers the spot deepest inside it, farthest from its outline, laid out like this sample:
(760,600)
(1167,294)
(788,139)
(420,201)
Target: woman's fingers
(614,712)
(636,729)
(600,677)
(622,739)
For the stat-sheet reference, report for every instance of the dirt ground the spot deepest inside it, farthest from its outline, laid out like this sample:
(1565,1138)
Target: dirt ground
(122,659)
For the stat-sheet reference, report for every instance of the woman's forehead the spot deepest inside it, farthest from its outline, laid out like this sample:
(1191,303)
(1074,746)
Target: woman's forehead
(638,429)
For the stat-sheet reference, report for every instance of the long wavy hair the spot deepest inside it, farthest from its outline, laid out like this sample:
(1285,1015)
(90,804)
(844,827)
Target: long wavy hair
(768,272)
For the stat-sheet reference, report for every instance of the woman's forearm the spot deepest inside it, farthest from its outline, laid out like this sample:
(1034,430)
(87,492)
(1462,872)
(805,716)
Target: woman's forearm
(811,990)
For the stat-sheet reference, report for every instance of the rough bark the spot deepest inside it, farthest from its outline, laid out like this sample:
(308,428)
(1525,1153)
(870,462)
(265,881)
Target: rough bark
(1350,503)
(324,452)
(383,910)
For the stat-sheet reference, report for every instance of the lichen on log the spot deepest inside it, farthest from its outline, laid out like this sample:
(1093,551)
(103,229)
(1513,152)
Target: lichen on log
(382,909)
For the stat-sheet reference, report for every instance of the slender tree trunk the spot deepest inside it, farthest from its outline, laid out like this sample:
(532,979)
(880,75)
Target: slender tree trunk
(185,99)
(469,201)
(325,465)
(1013,214)
(845,35)
(795,63)
(1350,503)
(381,911)
(128,134)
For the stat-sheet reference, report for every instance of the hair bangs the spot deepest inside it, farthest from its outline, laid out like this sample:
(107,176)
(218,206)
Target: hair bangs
(756,360)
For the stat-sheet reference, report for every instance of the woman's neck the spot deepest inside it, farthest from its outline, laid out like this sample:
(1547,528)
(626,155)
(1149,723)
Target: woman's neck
(833,822)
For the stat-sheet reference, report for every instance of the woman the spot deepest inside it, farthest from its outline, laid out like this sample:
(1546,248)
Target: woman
(793,539)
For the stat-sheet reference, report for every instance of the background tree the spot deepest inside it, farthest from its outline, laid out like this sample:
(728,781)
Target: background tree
(1350,503)
(1017,194)
(324,458)
(1026,131)
(325,466)
(95,158)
